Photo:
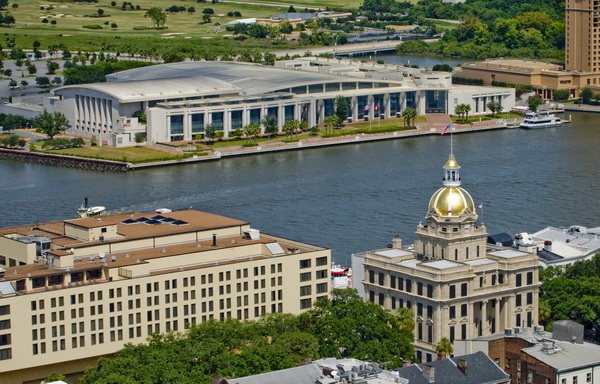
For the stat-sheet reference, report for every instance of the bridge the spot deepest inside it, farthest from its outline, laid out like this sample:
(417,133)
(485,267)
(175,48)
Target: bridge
(358,49)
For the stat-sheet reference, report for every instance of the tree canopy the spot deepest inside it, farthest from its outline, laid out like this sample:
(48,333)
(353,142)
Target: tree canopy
(157,15)
(572,293)
(51,123)
(345,326)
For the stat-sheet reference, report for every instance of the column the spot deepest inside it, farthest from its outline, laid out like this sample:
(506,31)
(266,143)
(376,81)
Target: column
(354,108)
(440,322)
(312,116)
(497,315)
(280,115)
(245,116)
(386,103)
(402,97)
(485,327)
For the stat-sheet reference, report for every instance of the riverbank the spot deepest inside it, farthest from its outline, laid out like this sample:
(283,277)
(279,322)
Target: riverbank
(423,129)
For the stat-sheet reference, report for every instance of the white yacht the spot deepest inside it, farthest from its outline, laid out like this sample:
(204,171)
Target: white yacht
(537,120)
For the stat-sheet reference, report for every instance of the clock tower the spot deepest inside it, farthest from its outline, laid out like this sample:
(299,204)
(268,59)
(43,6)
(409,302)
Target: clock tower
(451,231)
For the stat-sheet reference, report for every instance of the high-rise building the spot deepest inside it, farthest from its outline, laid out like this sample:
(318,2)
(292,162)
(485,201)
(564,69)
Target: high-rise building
(458,286)
(74,290)
(582,24)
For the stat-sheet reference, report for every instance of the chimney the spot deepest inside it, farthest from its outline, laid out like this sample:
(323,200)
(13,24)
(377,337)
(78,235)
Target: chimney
(462,365)
(548,246)
(397,242)
(429,372)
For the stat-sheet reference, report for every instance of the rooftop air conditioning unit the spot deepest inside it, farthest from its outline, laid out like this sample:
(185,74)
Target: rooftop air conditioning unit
(251,234)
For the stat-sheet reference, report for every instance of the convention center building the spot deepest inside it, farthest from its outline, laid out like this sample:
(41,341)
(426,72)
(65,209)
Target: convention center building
(180,99)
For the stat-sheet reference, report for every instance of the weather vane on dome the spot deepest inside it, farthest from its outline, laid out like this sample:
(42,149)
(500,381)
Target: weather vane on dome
(448,129)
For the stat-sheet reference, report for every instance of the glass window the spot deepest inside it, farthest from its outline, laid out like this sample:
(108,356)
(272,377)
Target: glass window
(176,127)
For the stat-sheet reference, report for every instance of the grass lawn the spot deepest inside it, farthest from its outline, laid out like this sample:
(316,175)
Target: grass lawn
(128,154)
(183,29)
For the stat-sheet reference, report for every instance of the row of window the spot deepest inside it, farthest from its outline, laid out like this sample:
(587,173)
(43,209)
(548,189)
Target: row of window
(402,284)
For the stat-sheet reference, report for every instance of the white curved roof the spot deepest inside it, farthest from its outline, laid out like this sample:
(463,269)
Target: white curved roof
(157,89)
(253,79)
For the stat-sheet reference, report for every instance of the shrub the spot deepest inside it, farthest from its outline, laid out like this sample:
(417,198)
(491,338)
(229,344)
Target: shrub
(93,26)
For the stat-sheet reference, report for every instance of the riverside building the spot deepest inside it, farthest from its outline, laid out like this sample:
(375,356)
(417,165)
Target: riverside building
(75,290)
(458,286)
(180,99)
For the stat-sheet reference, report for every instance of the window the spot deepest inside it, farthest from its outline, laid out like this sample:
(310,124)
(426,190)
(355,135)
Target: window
(574,379)
(519,280)
(518,365)
(321,261)
(305,263)
(381,299)
(6,354)
(530,377)
(429,290)
(452,312)
(4,310)
(393,282)
(305,290)
(530,298)
(529,278)
(305,303)
(452,291)
(372,277)
(322,274)
(588,378)
(463,289)
(518,301)
(507,362)
(305,276)
(381,278)
(408,285)
(463,310)
(420,288)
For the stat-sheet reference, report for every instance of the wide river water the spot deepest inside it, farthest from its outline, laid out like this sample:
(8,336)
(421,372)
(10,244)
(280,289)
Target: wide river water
(349,198)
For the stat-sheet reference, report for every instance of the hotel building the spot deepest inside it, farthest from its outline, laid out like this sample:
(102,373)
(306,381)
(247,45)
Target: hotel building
(72,291)
(458,286)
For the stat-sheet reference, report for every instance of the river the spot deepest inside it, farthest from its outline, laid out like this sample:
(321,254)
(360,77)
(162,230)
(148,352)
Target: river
(348,198)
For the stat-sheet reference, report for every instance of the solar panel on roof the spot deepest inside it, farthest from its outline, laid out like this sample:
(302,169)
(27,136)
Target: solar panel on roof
(168,220)
(158,217)
(179,222)
(142,219)
(129,221)
(153,222)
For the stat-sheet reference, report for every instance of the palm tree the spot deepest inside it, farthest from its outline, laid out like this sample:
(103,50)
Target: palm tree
(444,348)
(270,124)
(459,110)
(409,114)
(467,110)
(405,318)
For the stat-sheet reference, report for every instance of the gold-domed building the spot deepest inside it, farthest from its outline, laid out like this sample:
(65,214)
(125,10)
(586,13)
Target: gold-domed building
(458,286)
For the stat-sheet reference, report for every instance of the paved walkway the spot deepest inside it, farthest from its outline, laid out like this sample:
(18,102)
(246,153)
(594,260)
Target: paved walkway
(430,128)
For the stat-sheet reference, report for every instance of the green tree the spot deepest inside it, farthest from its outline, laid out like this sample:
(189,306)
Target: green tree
(331,122)
(206,19)
(341,107)
(139,137)
(269,122)
(459,110)
(561,94)
(290,127)
(42,81)
(444,348)
(351,327)
(157,15)
(494,107)
(52,67)
(534,102)
(586,95)
(252,131)
(409,115)
(100,12)
(209,131)
(51,124)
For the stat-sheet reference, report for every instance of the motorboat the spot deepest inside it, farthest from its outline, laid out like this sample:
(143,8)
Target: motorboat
(86,211)
(341,277)
(538,120)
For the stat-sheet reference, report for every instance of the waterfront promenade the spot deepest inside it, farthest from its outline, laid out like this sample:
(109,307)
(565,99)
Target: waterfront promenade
(422,129)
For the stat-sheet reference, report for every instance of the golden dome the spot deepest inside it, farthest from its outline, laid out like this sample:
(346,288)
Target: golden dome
(451,163)
(451,201)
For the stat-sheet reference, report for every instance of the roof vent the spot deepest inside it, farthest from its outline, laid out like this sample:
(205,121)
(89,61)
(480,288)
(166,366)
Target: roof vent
(508,332)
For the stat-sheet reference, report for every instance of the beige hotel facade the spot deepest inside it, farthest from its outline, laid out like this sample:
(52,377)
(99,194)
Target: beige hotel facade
(75,290)
(458,286)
